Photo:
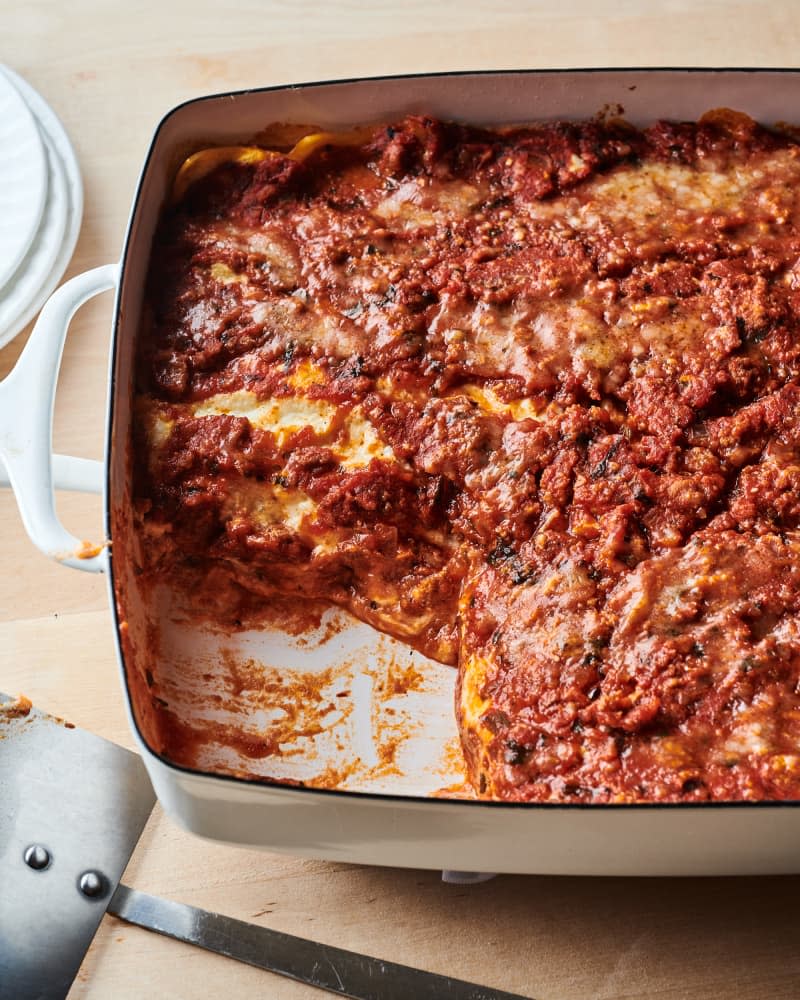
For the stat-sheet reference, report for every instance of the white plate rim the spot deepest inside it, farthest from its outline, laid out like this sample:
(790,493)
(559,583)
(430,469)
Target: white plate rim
(36,179)
(51,129)
(18,299)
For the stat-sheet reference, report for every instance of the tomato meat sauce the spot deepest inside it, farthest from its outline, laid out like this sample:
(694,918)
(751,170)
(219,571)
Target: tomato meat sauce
(524,398)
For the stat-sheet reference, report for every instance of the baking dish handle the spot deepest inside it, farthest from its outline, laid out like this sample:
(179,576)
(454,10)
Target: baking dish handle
(27,396)
(79,475)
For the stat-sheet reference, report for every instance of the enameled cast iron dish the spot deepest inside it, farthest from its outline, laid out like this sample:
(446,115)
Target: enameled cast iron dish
(388,818)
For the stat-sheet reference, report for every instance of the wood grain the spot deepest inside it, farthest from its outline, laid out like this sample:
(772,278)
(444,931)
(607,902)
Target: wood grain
(111,70)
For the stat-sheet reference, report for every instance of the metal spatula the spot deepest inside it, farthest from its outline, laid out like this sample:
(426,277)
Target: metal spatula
(72,807)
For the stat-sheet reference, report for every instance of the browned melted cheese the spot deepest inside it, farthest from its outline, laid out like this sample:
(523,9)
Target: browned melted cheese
(526,399)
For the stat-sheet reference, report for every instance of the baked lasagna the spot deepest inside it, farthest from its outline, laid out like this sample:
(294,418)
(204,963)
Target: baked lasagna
(524,398)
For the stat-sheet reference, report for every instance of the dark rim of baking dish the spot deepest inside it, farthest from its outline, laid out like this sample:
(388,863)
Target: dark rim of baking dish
(381,796)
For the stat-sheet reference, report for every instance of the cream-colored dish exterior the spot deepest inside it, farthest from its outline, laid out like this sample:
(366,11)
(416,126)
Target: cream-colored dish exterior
(386,764)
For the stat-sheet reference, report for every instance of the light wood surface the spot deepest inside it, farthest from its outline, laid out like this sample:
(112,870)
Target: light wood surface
(110,71)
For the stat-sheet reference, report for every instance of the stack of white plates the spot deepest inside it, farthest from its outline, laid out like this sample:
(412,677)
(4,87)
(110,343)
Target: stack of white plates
(41,202)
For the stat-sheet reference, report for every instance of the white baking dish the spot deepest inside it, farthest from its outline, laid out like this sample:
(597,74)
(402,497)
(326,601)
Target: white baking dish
(385,815)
